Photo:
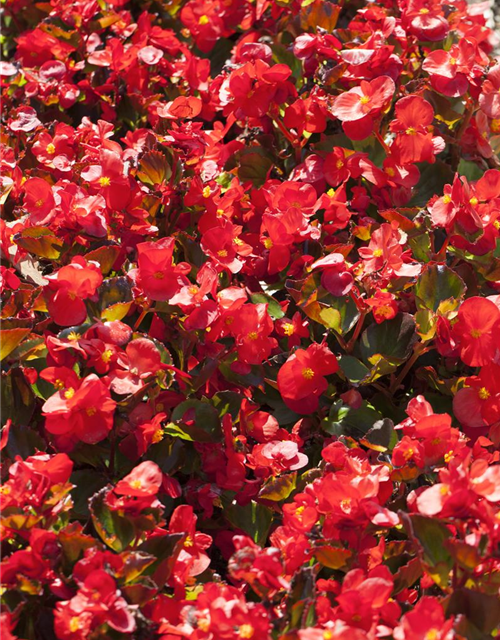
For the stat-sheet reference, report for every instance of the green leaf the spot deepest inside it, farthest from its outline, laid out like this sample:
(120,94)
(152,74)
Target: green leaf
(274,308)
(206,423)
(479,609)
(253,518)
(86,483)
(106,256)
(18,399)
(114,530)
(470,170)
(12,333)
(381,436)
(436,285)
(154,169)
(40,241)
(165,549)
(392,340)
(430,536)
(254,167)
(279,488)
(346,421)
(353,369)
(433,177)
(227,402)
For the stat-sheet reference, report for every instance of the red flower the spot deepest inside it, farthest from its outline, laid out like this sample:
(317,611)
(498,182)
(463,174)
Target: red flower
(361,105)
(68,288)
(83,413)
(413,142)
(335,277)
(110,178)
(425,20)
(140,361)
(383,305)
(477,331)
(156,274)
(489,100)
(301,379)
(97,602)
(478,404)
(251,328)
(142,482)
(450,71)
(425,621)
(39,201)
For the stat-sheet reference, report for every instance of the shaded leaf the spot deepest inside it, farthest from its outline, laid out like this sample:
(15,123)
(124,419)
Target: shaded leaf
(253,518)
(115,531)
(437,284)
(279,488)
(392,339)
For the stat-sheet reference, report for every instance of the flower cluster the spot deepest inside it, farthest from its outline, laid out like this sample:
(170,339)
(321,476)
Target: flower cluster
(250,325)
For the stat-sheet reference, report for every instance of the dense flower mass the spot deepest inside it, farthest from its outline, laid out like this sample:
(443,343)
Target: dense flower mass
(250,325)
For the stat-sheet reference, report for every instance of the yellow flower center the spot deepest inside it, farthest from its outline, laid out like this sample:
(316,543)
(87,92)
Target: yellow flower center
(424,11)
(188,542)
(364,99)
(38,203)
(345,504)
(74,624)
(453,61)
(384,310)
(253,335)
(495,125)
(238,241)
(69,393)
(473,201)
(410,131)
(222,253)
(206,192)
(246,631)
(307,373)
(73,336)
(204,624)
(5,490)
(378,253)
(193,290)
(476,333)
(203,20)
(136,484)
(408,454)
(104,181)
(157,436)
(288,328)
(106,355)
(339,164)
(390,172)
(159,275)
(483,393)
(268,243)
(432,634)
(91,411)
(50,148)
(446,199)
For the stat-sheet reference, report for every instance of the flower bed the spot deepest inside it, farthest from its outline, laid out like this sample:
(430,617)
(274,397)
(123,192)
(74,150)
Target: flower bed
(251,320)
